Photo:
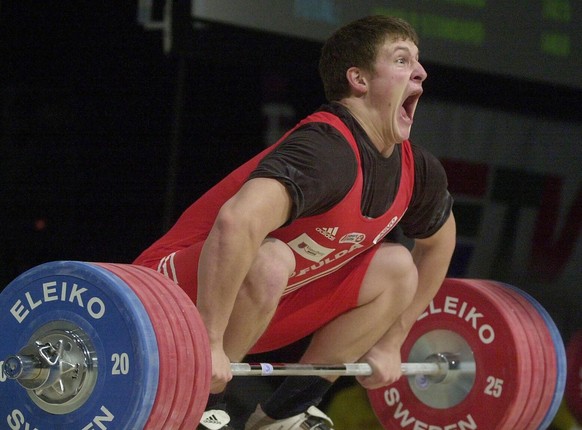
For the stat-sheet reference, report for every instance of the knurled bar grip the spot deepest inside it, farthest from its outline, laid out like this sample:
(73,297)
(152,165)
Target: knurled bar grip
(346,369)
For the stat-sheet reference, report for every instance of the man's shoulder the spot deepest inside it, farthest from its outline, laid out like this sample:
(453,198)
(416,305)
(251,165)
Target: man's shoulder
(424,155)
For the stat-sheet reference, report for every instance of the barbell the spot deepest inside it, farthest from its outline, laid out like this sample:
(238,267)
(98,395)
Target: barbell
(114,346)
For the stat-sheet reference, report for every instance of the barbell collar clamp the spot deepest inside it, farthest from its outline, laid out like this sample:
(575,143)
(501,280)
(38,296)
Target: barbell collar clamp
(57,367)
(24,367)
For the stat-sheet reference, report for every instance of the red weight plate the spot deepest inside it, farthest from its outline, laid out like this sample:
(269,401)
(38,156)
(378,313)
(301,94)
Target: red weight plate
(503,369)
(185,362)
(542,354)
(166,346)
(521,411)
(559,350)
(545,374)
(197,369)
(573,391)
(201,386)
(163,289)
(202,371)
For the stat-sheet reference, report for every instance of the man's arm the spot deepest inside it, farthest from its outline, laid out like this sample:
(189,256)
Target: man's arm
(261,206)
(432,257)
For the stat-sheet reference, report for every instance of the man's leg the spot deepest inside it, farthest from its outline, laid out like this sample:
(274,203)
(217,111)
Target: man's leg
(254,307)
(258,297)
(387,288)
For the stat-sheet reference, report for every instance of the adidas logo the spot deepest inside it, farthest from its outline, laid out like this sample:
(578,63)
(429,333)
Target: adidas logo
(215,419)
(328,232)
(212,419)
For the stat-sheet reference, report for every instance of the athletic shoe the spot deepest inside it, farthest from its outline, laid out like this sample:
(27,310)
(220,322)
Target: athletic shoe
(215,419)
(312,419)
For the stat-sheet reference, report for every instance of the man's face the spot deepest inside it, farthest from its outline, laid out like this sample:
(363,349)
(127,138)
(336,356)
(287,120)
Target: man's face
(395,86)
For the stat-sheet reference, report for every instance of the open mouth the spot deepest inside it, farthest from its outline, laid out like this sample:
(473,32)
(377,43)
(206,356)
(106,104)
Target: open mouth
(408,107)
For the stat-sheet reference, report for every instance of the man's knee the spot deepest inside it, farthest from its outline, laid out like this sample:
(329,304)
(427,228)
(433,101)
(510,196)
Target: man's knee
(269,274)
(391,273)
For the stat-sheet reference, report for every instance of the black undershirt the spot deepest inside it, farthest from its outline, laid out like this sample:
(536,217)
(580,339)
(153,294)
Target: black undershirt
(318,167)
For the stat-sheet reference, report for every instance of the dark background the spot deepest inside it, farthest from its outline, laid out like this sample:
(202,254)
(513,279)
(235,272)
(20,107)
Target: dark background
(105,138)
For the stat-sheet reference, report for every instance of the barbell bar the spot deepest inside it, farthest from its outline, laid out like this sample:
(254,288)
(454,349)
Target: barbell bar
(34,371)
(441,368)
(111,345)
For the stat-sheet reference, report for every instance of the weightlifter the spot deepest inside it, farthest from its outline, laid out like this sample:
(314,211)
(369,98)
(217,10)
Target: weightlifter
(294,242)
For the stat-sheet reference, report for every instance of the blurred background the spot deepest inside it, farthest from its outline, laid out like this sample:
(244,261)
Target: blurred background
(115,116)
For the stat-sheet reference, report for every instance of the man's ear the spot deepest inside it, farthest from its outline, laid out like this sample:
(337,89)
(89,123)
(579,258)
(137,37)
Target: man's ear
(357,80)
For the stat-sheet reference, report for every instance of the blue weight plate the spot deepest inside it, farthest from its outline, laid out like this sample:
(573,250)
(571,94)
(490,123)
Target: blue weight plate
(111,320)
(561,362)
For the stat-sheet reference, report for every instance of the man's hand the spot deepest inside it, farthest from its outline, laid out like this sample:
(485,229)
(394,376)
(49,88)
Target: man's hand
(221,372)
(386,368)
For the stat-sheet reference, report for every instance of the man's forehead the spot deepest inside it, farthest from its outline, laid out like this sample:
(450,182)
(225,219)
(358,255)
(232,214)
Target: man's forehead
(393,44)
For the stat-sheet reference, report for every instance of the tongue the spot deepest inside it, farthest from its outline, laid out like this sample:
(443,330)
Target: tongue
(403,113)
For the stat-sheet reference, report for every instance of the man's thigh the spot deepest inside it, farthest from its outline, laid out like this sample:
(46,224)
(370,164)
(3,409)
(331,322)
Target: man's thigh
(181,267)
(303,311)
